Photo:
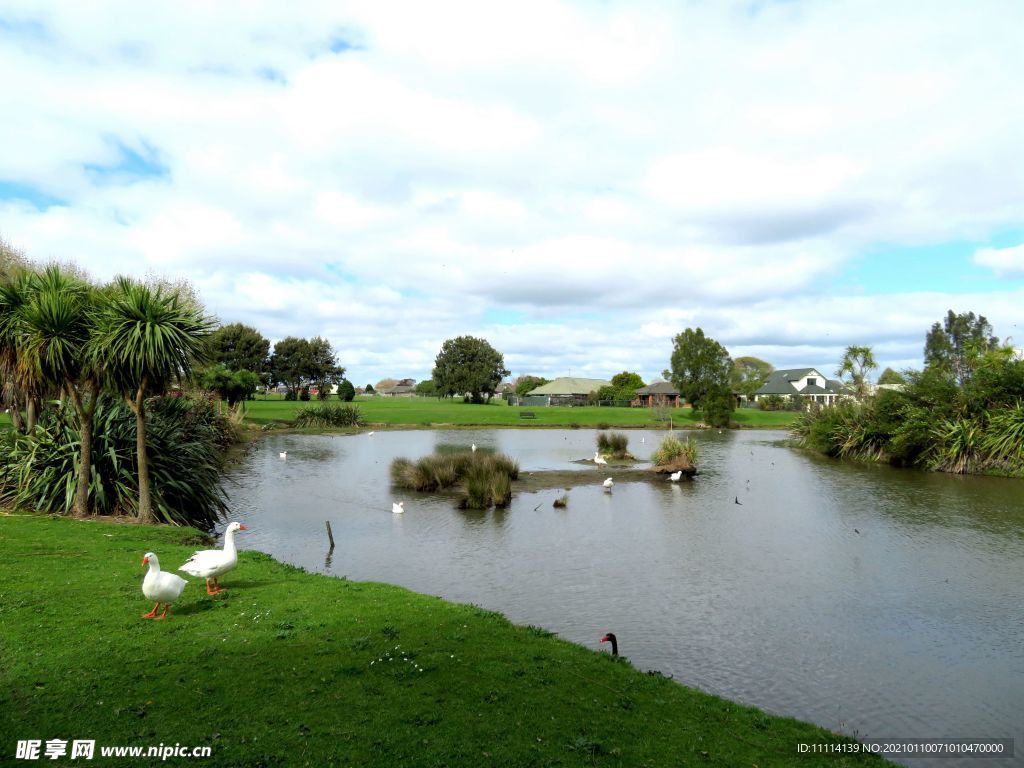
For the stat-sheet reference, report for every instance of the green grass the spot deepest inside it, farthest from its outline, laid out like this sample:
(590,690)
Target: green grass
(293,669)
(429,411)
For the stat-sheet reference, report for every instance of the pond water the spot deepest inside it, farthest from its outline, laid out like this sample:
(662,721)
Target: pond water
(876,602)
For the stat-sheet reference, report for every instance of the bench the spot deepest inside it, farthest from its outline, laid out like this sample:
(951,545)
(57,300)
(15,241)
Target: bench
(527,415)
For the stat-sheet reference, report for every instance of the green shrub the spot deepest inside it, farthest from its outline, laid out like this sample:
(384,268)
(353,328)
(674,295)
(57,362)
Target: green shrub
(613,443)
(329,415)
(771,403)
(672,448)
(487,477)
(186,440)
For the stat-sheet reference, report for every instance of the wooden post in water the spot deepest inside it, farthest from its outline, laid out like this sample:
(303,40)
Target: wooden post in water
(330,535)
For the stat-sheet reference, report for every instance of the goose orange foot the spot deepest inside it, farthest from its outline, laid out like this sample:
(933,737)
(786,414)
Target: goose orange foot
(217,588)
(152,614)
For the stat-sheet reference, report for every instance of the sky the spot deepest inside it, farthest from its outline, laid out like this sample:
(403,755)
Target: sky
(576,182)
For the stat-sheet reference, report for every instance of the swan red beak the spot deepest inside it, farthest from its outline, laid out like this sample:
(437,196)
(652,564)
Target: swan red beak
(606,639)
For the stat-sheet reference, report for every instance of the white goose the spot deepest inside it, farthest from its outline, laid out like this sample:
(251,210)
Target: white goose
(397,508)
(161,586)
(283,454)
(674,477)
(211,563)
(608,484)
(599,459)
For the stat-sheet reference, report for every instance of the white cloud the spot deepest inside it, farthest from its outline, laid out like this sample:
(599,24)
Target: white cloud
(1005,262)
(604,175)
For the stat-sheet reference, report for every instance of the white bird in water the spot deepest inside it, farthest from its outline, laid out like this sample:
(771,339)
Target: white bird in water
(283,454)
(598,459)
(608,484)
(473,447)
(674,477)
(397,508)
(370,433)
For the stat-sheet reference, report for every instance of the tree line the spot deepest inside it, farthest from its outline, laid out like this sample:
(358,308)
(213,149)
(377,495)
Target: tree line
(961,413)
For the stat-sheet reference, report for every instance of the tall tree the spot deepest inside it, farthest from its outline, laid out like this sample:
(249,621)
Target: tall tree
(346,391)
(148,336)
(957,345)
(857,363)
(291,363)
(623,387)
(58,322)
(699,365)
(749,374)
(324,370)
(240,348)
(525,384)
(23,384)
(233,386)
(889,376)
(469,365)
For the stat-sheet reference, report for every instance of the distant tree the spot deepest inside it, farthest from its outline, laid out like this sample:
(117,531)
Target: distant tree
(468,365)
(749,374)
(857,363)
(232,386)
(324,371)
(240,348)
(718,405)
(346,391)
(889,376)
(699,364)
(623,387)
(370,390)
(957,345)
(526,384)
(291,363)
(426,388)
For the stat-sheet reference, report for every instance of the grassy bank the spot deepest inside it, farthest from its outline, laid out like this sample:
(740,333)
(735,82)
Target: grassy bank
(428,411)
(289,668)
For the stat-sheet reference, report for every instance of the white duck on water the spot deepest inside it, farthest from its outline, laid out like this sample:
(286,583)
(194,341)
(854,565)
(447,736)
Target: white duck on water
(212,563)
(161,586)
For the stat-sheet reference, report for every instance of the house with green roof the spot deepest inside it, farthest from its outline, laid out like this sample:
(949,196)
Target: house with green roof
(804,383)
(567,390)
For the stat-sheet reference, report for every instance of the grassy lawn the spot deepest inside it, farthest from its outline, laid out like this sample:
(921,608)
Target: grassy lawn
(426,411)
(292,669)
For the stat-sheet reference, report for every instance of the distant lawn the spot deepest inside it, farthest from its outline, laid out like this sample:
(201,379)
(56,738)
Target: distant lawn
(428,411)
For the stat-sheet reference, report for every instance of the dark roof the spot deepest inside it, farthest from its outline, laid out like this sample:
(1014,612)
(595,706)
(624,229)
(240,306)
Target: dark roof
(781,383)
(658,388)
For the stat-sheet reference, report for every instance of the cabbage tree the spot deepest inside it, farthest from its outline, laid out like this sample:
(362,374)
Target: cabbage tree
(147,337)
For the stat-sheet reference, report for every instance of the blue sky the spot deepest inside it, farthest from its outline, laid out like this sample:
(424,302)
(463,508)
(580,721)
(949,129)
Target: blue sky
(577,183)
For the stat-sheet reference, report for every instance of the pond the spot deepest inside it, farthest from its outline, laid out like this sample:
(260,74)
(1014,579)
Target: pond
(876,602)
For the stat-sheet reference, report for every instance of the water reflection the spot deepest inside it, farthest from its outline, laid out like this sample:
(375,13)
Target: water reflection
(859,597)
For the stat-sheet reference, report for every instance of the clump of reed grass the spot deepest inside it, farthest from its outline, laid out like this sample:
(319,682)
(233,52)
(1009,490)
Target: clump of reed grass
(487,477)
(672,448)
(328,415)
(613,444)
(561,501)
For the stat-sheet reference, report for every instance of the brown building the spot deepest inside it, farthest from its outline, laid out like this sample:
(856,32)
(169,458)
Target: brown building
(657,395)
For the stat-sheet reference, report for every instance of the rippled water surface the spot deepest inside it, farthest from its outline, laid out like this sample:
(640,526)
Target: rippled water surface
(872,601)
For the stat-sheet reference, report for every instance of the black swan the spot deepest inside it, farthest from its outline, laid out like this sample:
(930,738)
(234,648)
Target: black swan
(610,638)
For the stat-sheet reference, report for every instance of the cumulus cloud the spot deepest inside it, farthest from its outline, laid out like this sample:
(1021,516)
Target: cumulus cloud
(605,175)
(1005,262)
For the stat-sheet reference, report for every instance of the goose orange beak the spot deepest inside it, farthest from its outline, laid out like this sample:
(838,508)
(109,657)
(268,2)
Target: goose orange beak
(242,527)
(145,560)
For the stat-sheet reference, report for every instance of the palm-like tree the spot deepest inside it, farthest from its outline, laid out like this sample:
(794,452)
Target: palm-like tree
(22,382)
(147,337)
(57,322)
(858,362)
